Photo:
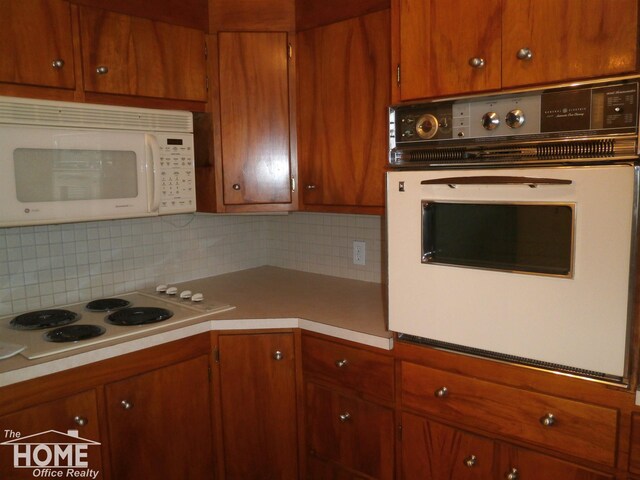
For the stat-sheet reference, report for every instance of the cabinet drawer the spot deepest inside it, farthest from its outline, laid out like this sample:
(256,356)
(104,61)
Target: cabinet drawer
(360,370)
(572,427)
(354,433)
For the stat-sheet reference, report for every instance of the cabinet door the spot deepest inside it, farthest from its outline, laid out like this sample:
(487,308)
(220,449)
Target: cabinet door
(568,39)
(258,403)
(432,451)
(160,423)
(136,56)
(320,470)
(254,117)
(439,40)
(74,416)
(524,464)
(356,434)
(342,111)
(35,43)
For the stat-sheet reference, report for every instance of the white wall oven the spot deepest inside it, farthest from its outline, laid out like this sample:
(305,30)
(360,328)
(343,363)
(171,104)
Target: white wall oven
(512,226)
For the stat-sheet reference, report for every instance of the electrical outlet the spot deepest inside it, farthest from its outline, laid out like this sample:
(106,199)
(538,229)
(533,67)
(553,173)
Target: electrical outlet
(359,253)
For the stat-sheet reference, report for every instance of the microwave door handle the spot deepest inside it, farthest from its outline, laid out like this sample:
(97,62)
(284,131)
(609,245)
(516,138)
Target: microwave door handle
(153,171)
(532,182)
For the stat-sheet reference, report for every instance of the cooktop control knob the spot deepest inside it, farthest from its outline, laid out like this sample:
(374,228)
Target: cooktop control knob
(515,118)
(185,295)
(197,297)
(490,120)
(172,291)
(427,126)
(161,288)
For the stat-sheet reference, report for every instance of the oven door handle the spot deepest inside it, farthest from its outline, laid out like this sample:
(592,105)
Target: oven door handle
(532,182)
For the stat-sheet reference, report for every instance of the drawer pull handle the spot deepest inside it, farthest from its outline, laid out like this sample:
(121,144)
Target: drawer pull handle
(549,420)
(513,474)
(344,417)
(80,420)
(471,461)
(342,363)
(441,392)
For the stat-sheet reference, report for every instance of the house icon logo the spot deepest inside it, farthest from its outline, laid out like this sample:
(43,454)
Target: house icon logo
(52,450)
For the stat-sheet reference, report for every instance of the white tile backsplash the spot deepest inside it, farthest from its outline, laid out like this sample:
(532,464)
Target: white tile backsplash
(51,265)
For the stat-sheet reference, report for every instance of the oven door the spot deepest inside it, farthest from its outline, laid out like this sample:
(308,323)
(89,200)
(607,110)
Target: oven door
(525,263)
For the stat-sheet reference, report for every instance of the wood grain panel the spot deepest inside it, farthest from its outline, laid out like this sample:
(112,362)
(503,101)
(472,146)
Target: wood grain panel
(167,431)
(254,117)
(362,442)
(569,39)
(34,33)
(364,371)
(343,95)
(437,40)
(580,429)
(144,57)
(434,451)
(258,404)
(247,15)
(314,13)
(188,13)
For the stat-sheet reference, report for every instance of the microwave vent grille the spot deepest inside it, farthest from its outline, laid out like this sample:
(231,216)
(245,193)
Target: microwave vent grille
(79,115)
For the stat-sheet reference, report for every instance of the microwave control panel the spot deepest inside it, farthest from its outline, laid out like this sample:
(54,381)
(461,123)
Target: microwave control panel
(177,174)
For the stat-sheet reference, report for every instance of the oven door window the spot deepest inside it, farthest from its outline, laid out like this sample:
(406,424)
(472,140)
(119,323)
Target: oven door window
(528,238)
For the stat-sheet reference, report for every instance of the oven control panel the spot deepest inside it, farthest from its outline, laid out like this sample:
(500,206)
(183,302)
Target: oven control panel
(600,109)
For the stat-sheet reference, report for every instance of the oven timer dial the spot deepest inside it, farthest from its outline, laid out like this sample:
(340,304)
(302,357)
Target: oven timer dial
(490,121)
(427,126)
(515,118)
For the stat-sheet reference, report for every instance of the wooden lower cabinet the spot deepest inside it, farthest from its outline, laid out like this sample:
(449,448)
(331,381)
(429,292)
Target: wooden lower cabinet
(257,408)
(433,451)
(323,470)
(351,432)
(73,416)
(160,423)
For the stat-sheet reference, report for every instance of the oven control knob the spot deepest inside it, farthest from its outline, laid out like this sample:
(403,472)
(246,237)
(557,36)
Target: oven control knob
(197,297)
(427,126)
(172,291)
(490,121)
(161,288)
(185,295)
(515,118)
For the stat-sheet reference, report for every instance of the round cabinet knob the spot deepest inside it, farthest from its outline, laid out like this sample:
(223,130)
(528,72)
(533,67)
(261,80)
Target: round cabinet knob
(58,63)
(476,62)
(278,355)
(427,126)
(342,363)
(524,54)
(127,405)
(197,297)
(102,70)
(490,121)
(513,474)
(172,290)
(441,392)
(344,417)
(515,118)
(161,288)
(471,461)
(310,186)
(185,295)
(236,186)
(80,421)
(549,420)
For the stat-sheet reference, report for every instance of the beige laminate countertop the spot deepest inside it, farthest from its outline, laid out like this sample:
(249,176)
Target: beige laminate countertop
(264,297)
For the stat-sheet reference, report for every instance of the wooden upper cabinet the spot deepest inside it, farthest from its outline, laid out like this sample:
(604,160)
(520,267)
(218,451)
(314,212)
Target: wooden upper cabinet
(568,39)
(36,46)
(136,56)
(254,118)
(343,94)
(450,47)
(439,40)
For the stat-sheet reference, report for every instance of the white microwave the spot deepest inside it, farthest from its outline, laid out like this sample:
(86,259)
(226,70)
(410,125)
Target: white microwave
(71,162)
